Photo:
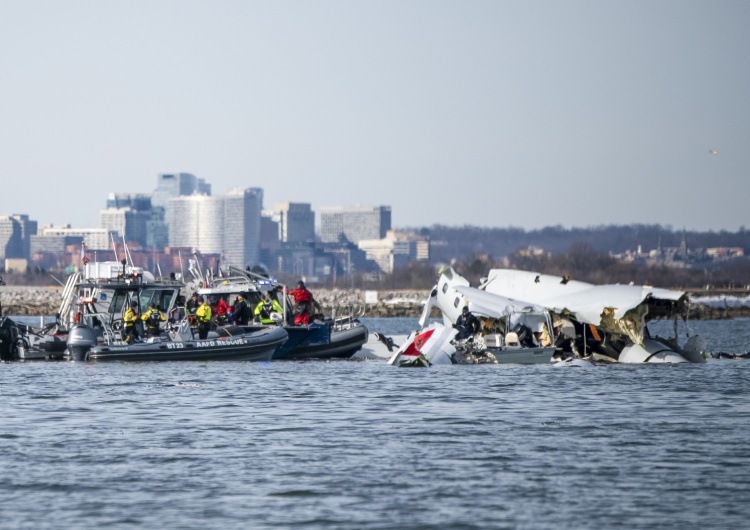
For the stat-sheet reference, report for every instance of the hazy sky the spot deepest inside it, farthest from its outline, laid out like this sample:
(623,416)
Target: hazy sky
(490,113)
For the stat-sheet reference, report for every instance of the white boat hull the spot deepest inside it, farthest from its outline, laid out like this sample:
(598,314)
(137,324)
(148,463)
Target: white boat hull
(522,355)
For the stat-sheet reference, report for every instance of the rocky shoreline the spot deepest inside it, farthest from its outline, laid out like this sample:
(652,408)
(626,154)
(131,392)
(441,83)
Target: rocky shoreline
(37,301)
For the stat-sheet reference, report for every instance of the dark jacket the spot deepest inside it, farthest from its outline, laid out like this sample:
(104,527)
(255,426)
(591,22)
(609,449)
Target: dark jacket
(241,313)
(467,324)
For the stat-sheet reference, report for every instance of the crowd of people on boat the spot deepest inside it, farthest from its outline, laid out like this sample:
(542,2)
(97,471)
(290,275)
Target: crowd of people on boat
(206,313)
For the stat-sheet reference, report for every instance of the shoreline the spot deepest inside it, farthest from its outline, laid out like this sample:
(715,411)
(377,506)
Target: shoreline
(23,300)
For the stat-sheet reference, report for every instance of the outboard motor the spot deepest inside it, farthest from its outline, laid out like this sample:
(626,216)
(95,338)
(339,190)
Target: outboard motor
(80,341)
(8,339)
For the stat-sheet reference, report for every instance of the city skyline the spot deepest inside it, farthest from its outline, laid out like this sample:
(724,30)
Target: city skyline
(452,113)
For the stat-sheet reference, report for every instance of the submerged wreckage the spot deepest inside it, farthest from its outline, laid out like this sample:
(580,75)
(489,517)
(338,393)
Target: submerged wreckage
(532,318)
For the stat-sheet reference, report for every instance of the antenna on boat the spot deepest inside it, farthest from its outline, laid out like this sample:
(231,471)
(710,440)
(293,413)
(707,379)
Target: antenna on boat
(127,252)
(198,264)
(114,246)
(182,268)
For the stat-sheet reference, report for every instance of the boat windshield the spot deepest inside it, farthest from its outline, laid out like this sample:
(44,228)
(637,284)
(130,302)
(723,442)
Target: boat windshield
(164,298)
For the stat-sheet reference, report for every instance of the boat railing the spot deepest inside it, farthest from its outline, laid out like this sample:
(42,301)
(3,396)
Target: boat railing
(345,311)
(181,330)
(69,296)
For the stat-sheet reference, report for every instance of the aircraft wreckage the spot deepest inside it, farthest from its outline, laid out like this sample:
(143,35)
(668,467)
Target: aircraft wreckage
(533,318)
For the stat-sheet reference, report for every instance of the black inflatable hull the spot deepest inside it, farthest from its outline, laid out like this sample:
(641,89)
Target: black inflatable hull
(255,346)
(341,345)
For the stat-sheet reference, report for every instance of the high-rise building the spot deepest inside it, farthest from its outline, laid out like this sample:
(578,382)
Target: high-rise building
(127,215)
(354,223)
(15,235)
(296,222)
(269,239)
(170,186)
(228,225)
(137,201)
(242,226)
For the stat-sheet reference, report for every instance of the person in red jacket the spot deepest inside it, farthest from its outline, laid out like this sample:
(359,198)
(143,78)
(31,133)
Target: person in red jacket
(303,303)
(219,310)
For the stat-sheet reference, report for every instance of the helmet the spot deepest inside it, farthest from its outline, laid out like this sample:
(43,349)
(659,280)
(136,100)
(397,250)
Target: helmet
(301,284)
(465,309)
(152,304)
(201,299)
(133,303)
(212,299)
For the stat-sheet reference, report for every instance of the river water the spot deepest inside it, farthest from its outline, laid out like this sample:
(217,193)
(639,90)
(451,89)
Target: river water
(360,444)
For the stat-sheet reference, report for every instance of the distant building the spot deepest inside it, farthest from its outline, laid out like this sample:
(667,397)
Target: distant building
(51,237)
(396,250)
(269,239)
(346,260)
(681,257)
(170,186)
(295,259)
(229,225)
(242,227)
(128,216)
(296,222)
(354,223)
(15,236)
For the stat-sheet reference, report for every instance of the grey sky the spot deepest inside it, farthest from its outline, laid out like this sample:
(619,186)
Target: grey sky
(497,113)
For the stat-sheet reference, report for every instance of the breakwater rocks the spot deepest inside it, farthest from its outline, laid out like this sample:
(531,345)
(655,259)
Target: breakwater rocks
(405,303)
(36,301)
(28,300)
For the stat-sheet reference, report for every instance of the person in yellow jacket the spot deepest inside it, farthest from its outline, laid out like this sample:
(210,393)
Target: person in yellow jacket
(266,308)
(203,314)
(152,318)
(129,319)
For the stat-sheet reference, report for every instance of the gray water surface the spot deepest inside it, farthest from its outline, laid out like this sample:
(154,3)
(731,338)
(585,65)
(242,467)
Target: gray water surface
(350,444)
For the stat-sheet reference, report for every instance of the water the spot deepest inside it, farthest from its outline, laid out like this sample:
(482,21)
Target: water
(346,444)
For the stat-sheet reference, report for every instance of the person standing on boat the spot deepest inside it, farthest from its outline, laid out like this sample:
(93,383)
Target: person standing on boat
(467,324)
(203,315)
(303,302)
(219,310)
(129,319)
(266,308)
(152,319)
(240,311)
(192,304)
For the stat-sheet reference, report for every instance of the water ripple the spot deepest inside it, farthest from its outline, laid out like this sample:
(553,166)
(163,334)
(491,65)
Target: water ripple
(364,445)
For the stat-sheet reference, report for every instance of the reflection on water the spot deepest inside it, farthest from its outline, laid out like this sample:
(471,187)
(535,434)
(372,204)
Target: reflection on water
(364,445)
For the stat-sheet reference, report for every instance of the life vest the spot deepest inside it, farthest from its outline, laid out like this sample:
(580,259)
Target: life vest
(203,313)
(154,317)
